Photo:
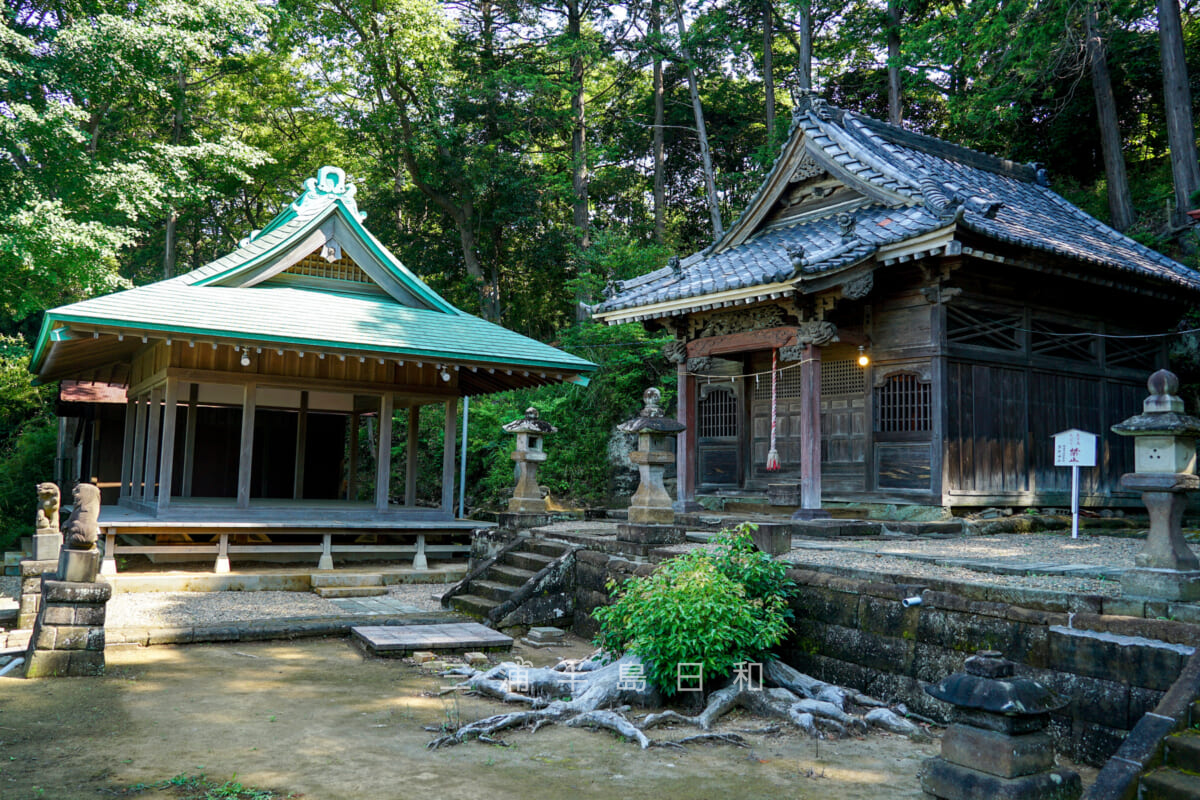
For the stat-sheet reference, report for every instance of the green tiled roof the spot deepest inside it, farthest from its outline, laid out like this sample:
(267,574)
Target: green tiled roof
(413,320)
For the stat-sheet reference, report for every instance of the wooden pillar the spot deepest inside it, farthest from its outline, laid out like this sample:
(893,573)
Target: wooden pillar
(221,566)
(108,564)
(166,470)
(301,444)
(685,443)
(139,448)
(352,478)
(810,428)
(127,450)
(189,439)
(448,457)
(246,455)
(153,431)
(410,455)
(383,459)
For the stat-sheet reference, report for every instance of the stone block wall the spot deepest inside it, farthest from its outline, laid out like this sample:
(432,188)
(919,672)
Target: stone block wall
(856,632)
(31,590)
(68,637)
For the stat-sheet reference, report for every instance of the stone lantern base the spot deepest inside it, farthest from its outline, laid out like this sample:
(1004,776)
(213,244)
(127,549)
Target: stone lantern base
(948,781)
(651,534)
(1161,584)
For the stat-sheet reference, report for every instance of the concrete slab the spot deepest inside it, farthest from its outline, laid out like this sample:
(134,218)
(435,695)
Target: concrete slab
(400,640)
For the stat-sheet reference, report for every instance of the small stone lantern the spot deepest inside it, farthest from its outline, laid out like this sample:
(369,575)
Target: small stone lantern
(1165,464)
(531,431)
(651,515)
(996,745)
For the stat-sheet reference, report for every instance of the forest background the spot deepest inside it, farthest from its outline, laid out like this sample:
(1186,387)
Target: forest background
(520,154)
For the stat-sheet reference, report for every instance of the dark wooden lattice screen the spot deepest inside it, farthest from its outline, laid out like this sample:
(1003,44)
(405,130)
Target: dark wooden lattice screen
(902,405)
(718,414)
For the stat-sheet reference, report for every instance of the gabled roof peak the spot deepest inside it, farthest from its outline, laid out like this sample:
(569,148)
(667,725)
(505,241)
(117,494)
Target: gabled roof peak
(329,186)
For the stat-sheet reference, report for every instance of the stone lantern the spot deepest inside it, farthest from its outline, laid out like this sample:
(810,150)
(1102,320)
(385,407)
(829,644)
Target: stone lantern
(996,746)
(651,515)
(1165,464)
(531,432)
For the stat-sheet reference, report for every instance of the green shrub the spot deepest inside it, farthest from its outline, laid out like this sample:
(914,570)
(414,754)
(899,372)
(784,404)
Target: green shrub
(699,608)
(27,460)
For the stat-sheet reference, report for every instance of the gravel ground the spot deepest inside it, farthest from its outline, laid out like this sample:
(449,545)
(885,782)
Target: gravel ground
(149,609)
(1106,551)
(419,595)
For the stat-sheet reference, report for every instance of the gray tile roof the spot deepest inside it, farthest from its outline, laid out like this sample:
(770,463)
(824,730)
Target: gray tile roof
(940,184)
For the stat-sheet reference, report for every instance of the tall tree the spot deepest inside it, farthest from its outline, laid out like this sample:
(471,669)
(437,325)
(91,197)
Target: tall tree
(1177,100)
(714,201)
(660,187)
(1120,204)
(895,98)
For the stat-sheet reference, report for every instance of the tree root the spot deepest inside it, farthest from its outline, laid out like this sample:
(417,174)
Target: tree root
(613,722)
(717,738)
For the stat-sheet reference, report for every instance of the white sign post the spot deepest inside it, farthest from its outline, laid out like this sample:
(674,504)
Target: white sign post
(1074,448)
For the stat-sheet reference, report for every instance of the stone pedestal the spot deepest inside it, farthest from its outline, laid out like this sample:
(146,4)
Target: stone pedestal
(31,590)
(637,533)
(47,545)
(783,494)
(997,748)
(68,637)
(78,566)
(521,521)
(772,538)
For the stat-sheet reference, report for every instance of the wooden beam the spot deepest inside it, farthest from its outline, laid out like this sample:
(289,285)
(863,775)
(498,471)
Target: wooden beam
(410,456)
(127,450)
(301,444)
(685,442)
(352,478)
(166,470)
(766,339)
(246,455)
(189,439)
(153,430)
(810,428)
(139,447)
(426,393)
(383,457)
(448,457)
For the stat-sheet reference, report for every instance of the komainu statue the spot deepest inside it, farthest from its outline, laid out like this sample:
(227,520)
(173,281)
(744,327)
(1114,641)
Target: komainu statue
(83,526)
(47,507)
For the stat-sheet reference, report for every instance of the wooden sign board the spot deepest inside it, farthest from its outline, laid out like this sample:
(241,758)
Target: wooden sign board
(1074,448)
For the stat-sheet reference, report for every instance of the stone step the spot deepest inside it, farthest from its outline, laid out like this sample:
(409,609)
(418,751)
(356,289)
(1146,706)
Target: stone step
(1183,751)
(1169,784)
(492,590)
(327,579)
(472,605)
(510,575)
(545,547)
(330,592)
(530,561)
(18,639)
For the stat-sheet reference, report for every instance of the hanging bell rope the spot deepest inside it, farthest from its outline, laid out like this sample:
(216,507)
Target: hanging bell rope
(772,453)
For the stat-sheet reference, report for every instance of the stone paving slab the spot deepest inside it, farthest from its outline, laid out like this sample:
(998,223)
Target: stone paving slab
(374,605)
(401,639)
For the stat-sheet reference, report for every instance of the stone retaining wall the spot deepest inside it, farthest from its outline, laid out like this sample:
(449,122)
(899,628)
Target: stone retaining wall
(856,632)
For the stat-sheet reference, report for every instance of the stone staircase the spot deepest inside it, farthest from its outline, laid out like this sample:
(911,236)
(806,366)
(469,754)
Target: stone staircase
(334,585)
(481,593)
(1179,777)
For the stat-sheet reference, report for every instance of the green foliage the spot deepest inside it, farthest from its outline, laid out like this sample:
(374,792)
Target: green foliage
(201,787)
(716,608)
(26,460)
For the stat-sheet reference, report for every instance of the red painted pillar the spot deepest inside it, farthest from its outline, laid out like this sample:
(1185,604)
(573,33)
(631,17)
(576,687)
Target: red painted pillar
(810,431)
(685,443)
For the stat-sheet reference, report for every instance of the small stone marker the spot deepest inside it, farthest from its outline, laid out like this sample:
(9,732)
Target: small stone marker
(474,658)
(545,636)
(421,656)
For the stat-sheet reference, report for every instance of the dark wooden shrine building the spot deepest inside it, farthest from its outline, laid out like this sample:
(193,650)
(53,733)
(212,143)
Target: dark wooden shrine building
(994,314)
(260,392)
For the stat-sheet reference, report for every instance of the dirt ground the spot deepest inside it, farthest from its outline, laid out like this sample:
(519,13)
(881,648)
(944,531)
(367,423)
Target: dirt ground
(320,720)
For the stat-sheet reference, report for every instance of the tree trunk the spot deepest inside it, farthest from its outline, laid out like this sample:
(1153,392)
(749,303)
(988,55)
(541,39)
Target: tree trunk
(1120,206)
(172,213)
(768,69)
(1181,135)
(804,56)
(895,113)
(579,170)
(714,202)
(660,188)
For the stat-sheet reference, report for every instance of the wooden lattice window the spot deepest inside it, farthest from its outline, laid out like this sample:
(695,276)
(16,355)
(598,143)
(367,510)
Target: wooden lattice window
(787,384)
(996,330)
(1137,353)
(902,404)
(343,269)
(842,377)
(1062,341)
(718,413)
